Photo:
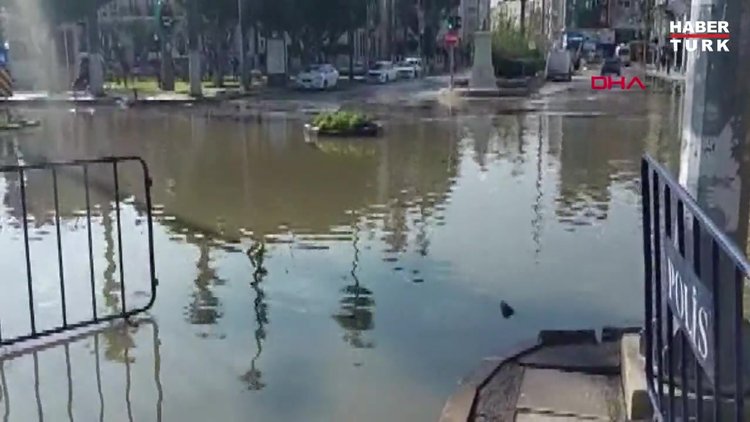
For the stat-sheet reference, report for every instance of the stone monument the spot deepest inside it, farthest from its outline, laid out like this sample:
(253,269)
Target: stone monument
(482,70)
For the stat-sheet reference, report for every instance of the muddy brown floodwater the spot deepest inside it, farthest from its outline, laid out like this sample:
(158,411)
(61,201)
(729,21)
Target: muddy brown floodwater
(387,259)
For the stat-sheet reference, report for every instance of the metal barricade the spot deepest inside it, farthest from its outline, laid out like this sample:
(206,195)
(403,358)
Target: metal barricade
(82,168)
(695,332)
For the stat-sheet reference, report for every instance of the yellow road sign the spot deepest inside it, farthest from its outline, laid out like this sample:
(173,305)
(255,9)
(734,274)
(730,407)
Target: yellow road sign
(6,83)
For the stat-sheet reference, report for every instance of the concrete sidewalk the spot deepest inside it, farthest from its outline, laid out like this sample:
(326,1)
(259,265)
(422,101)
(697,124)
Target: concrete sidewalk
(673,76)
(563,376)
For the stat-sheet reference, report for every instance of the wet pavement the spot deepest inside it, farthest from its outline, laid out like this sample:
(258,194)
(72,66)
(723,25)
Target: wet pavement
(387,258)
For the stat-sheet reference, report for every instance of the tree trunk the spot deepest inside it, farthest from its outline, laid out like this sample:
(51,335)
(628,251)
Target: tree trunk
(167,64)
(96,71)
(523,17)
(351,54)
(220,56)
(195,53)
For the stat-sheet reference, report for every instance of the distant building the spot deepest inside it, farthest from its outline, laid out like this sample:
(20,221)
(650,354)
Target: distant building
(626,18)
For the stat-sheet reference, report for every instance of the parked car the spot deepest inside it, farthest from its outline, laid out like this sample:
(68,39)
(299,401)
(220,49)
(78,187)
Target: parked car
(411,68)
(623,53)
(612,66)
(318,76)
(382,72)
(559,65)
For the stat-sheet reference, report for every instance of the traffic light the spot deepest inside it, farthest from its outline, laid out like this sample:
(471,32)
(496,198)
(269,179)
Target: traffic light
(454,23)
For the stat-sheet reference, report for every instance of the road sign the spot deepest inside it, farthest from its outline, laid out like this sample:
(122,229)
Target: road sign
(451,38)
(6,83)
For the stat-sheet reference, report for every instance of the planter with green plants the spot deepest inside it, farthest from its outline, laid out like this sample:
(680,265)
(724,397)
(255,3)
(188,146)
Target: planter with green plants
(344,123)
(514,54)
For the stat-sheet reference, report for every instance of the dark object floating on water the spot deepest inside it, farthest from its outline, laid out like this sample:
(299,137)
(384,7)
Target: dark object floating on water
(398,268)
(506,310)
(418,280)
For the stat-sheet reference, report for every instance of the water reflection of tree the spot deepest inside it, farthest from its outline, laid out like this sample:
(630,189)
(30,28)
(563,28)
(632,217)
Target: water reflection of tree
(254,377)
(355,316)
(396,228)
(118,341)
(204,308)
(594,154)
(536,221)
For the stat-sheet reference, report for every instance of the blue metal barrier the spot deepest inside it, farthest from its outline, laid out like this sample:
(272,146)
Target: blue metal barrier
(695,331)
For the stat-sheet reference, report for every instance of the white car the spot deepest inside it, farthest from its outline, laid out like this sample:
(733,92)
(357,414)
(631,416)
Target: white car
(318,76)
(411,68)
(383,72)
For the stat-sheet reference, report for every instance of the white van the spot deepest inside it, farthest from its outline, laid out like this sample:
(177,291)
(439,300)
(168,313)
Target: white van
(559,65)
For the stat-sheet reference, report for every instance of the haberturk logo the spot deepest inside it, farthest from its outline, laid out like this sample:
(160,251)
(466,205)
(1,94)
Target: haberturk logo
(700,35)
(606,83)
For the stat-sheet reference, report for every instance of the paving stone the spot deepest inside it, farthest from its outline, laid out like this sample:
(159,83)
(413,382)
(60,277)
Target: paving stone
(537,417)
(497,400)
(568,393)
(603,358)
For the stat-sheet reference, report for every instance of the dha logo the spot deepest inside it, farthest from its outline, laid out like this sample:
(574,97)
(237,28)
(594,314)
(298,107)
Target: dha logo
(599,83)
(713,35)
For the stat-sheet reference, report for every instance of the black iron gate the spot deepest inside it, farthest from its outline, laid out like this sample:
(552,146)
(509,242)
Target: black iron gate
(82,171)
(695,331)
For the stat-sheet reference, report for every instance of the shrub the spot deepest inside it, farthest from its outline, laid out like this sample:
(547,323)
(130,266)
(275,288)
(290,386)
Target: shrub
(340,121)
(513,53)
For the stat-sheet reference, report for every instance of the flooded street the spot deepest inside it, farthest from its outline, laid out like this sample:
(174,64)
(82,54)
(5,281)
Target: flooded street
(387,259)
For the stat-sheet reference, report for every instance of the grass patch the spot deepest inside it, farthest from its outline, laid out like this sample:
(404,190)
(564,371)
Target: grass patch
(149,86)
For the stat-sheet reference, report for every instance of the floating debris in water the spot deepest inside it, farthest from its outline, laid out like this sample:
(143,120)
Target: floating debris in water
(176,238)
(390,259)
(312,247)
(324,238)
(245,232)
(157,212)
(42,232)
(415,271)
(199,236)
(418,280)
(506,310)
(169,218)
(398,268)
(157,207)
